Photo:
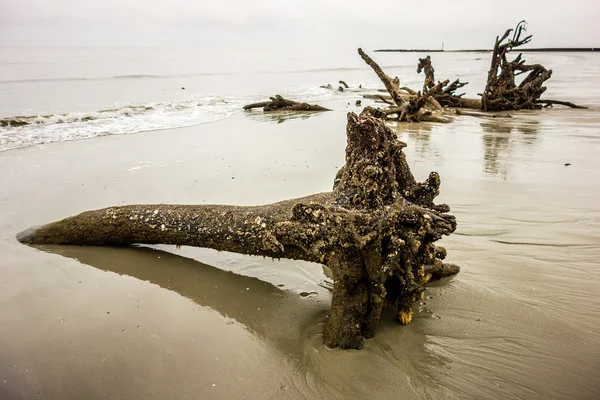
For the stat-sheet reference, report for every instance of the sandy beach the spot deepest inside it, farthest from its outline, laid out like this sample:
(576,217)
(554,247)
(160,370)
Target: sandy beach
(520,320)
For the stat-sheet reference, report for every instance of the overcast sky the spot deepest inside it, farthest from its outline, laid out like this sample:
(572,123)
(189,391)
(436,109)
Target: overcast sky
(325,23)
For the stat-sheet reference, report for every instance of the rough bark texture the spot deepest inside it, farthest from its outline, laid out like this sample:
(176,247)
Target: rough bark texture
(375,231)
(278,103)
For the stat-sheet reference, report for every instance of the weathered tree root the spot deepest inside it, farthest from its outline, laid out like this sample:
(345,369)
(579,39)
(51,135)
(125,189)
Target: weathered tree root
(405,105)
(444,92)
(375,231)
(278,103)
(501,91)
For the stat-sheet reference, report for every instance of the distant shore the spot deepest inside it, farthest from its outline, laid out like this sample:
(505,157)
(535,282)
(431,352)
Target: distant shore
(544,49)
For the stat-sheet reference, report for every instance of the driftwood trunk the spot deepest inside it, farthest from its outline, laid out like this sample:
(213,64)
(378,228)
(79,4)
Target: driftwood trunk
(375,231)
(278,103)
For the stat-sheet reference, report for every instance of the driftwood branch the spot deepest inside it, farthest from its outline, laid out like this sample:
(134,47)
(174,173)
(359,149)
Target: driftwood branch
(425,65)
(376,231)
(549,103)
(406,109)
(409,90)
(384,99)
(391,85)
(468,103)
(444,92)
(278,103)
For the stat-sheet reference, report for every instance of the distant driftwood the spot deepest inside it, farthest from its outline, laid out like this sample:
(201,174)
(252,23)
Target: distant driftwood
(444,92)
(375,230)
(278,103)
(501,92)
(403,105)
(343,86)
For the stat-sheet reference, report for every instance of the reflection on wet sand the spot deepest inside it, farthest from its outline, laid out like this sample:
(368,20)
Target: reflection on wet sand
(279,117)
(289,322)
(501,138)
(420,138)
(273,314)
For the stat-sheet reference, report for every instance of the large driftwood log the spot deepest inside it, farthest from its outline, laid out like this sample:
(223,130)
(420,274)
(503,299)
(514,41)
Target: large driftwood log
(278,103)
(502,92)
(375,231)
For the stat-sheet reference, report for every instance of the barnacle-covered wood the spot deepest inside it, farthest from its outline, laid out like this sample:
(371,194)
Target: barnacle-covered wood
(278,103)
(376,231)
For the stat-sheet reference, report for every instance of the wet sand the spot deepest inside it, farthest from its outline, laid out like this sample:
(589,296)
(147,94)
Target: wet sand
(521,320)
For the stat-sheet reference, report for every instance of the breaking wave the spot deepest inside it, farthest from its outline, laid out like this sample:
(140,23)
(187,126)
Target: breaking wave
(72,117)
(24,131)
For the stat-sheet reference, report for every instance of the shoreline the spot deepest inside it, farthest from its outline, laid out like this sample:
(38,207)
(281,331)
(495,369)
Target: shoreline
(535,50)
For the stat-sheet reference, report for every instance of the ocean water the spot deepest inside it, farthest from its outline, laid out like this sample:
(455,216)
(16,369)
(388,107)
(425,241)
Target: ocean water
(50,95)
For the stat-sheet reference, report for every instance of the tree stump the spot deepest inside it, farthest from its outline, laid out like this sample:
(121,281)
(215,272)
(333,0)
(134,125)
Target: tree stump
(375,231)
